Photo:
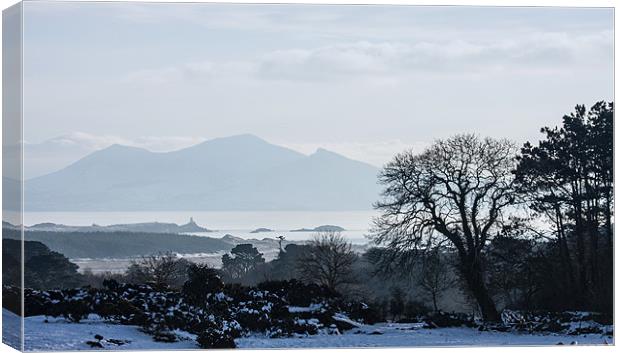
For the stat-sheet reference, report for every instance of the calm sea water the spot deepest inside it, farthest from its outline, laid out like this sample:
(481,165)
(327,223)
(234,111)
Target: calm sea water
(239,224)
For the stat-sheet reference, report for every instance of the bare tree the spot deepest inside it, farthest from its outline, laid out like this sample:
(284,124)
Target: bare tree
(458,190)
(328,261)
(435,276)
(161,268)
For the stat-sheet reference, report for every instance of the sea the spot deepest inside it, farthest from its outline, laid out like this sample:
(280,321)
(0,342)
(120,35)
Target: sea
(357,225)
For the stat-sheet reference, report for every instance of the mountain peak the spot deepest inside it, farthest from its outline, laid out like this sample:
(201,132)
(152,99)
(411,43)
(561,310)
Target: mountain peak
(241,138)
(234,141)
(113,152)
(322,150)
(119,147)
(323,153)
(246,136)
(328,156)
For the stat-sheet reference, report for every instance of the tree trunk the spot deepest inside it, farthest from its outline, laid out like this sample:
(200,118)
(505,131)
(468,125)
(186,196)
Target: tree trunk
(581,260)
(566,261)
(435,302)
(475,281)
(608,226)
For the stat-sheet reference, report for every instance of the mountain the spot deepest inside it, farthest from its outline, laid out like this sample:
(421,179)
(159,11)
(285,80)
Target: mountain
(235,173)
(53,154)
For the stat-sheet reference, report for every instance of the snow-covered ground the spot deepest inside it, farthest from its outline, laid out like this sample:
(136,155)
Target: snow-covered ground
(410,335)
(57,334)
(11,329)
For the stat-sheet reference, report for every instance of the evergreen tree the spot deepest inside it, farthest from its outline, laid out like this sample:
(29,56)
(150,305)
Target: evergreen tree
(242,260)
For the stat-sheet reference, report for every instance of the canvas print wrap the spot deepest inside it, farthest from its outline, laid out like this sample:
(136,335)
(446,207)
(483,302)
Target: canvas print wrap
(205,175)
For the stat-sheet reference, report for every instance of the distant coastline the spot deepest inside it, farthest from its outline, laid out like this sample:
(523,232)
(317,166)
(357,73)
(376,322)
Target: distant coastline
(147,227)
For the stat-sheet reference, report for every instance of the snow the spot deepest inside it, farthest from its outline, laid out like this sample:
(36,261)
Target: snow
(411,335)
(305,309)
(11,329)
(57,334)
(344,318)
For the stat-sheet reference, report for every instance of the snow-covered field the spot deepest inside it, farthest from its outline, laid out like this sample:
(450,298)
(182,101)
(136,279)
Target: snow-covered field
(406,335)
(57,334)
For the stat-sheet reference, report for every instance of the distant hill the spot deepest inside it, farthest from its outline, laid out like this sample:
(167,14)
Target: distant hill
(149,227)
(123,244)
(120,244)
(262,230)
(323,228)
(235,173)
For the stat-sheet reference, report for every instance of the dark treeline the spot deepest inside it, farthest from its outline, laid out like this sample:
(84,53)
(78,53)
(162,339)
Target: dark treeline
(568,180)
(528,228)
(118,244)
(328,261)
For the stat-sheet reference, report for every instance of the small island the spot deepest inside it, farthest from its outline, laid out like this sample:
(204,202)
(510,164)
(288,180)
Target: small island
(262,230)
(323,228)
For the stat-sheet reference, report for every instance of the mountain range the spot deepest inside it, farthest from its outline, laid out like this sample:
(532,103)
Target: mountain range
(234,173)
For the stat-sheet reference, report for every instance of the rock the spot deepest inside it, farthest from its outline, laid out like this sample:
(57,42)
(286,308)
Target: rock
(344,326)
(118,342)
(164,336)
(94,344)
(440,319)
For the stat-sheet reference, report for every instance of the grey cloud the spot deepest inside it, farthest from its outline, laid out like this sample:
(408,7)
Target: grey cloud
(545,52)
(58,152)
(548,51)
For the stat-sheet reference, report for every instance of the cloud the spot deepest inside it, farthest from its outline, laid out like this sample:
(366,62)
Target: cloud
(542,53)
(56,153)
(166,143)
(376,153)
(360,58)
(89,142)
(546,52)
(80,140)
(198,71)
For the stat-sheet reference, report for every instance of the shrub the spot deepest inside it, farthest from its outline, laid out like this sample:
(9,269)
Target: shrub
(368,314)
(440,319)
(11,299)
(414,310)
(218,334)
(201,281)
(215,312)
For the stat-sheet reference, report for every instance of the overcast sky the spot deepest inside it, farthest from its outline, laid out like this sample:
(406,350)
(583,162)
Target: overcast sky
(364,81)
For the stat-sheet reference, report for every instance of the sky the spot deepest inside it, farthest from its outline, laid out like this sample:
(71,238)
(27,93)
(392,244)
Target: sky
(363,81)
